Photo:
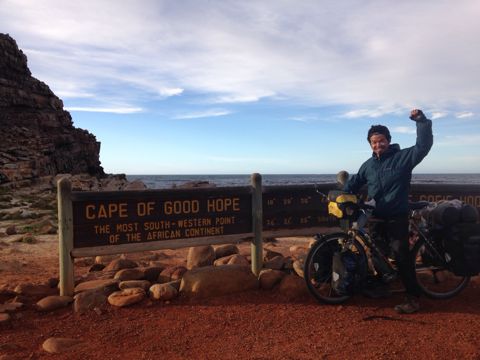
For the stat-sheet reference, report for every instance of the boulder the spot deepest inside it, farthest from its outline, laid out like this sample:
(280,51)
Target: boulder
(151,273)
(163,292)
(222,261)
(119,264)
(4,318)
(200,256)
(126,297)
(298,268)
(89,300)
(34,290)
(268,278)
(270,254)
(11,306)
(128,284)
(218,280)
(106,285)
(225,250)
(51,303)
(275,263)
(57,345)
(129,274)
(11,230)
(237,259)
(293,287)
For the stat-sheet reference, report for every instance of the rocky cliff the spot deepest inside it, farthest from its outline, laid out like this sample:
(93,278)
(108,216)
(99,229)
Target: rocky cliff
(37,137)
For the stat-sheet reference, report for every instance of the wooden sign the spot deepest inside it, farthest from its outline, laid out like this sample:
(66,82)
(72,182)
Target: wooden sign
(129,217)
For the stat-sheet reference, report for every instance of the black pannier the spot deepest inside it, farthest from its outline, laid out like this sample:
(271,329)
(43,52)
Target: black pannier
(346,277)
(462,248)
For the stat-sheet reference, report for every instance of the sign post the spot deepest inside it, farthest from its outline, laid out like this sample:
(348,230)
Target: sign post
(257,219)
(65,234)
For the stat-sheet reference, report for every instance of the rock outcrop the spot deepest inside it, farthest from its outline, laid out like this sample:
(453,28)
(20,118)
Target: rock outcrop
(37,135)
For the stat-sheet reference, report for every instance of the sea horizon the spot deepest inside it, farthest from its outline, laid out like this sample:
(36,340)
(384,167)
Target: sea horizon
(222,180)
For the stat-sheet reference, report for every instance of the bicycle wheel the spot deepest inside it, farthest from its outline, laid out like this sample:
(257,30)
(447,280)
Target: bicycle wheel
(318,266)
(433,276)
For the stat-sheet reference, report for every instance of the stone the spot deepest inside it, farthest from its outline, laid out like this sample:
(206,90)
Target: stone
(128,284)
(4,318)
(89,300)
(298,249)
(163,292)
(174,272)
(237,259)
(200,256)
(11,306)
(151,273)
(268,278)
(57,345)
(120,264)
(11,230)
(218,280)
(129,274)
(106,285)
(96,267)
(53,282)
(175,284)
(298,268)
(225,250)
(275,263)
(222,261)
(54,302)
(270,254)
(34,290)
(135,185)
(293,287)
(126,297)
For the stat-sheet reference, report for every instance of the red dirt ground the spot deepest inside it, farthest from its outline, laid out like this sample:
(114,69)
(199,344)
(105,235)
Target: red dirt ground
(253,325)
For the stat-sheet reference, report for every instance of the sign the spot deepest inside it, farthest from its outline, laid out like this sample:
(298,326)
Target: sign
(127,217)
(295,207)
(301,206)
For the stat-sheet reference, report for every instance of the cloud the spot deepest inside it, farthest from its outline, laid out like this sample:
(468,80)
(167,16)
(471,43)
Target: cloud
(371,113)
(203,114)
(120,110)
(460,140)
(360,54)
(464,115)
(438,115)
(304,118)
(404,130)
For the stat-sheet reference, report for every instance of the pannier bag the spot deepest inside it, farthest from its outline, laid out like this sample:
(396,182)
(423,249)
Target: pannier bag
(450,212)
(322,261)
(345,274)
(342,205)
(462,248)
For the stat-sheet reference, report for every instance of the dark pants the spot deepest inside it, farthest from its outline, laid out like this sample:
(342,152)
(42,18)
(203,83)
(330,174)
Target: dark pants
(392,237)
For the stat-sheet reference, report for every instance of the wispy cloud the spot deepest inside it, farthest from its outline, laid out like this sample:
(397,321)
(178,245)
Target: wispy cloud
(304,118)
(438,115)
(371,113)
(349,53)
(460,140)
(203,114)
(119,110)
(464,115)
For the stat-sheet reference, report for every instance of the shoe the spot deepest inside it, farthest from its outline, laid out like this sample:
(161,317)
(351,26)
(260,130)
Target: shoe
(410,306)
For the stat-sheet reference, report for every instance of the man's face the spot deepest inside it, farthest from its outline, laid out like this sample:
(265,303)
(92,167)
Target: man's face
(379,144)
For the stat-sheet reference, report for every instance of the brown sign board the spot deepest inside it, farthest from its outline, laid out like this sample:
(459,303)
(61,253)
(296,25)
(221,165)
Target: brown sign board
(128,217)
(301,206)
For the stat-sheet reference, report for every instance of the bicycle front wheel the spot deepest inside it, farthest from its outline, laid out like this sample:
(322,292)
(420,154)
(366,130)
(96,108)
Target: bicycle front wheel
(434,278)
(318,266)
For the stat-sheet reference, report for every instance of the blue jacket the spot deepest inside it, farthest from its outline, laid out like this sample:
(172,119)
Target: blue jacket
(388,177)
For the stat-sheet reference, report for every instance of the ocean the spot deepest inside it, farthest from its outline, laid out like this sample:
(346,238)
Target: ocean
(170,181)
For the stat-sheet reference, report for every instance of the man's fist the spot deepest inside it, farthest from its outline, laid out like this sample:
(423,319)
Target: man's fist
(417,115)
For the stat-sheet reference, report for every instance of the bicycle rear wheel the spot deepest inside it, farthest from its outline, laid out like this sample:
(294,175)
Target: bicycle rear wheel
(318,266)
(433,276)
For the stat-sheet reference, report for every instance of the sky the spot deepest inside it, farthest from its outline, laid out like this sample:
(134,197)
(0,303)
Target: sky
(274,86)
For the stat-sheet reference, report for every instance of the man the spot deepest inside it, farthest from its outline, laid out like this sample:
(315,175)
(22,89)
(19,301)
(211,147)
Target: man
(387,174)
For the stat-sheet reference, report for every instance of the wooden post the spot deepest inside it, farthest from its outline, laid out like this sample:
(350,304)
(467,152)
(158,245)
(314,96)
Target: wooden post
(65,237)
(257,213)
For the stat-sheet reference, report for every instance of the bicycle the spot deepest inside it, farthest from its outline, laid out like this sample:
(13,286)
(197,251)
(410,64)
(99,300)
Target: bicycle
(433,272)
